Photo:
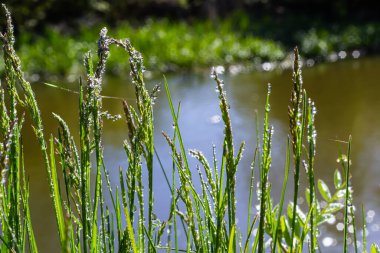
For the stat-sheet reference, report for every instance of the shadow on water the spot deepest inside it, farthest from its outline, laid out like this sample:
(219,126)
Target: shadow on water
(347,100)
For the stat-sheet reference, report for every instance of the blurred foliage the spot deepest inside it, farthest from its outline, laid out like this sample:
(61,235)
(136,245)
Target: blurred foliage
(322,42)
(38,13)
(170,46)
(183,34)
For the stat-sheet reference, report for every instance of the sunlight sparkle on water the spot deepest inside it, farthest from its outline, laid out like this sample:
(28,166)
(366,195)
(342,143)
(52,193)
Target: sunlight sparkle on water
(340,226)
(371,213)
(342,54)
(356,54)
(375,227)
(215,119)
(267,66)
(329,241)
(331,220)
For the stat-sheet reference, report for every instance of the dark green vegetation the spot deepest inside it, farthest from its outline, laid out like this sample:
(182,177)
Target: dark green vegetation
(29,14)
(184,34)
(207,216)
(181,46)
(169,46)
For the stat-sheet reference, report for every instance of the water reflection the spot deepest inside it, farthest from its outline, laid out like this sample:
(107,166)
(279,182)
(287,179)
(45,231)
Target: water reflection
(346,96)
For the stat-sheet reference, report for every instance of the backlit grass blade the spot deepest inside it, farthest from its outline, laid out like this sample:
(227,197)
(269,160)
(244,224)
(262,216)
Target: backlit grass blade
(57,196)
(281,204)
(347,196)
(264,172)
(231,241)
(130,230)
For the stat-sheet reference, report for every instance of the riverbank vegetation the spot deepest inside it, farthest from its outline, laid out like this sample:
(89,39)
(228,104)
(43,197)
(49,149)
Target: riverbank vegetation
(183,46)
(184,35)
(94,214)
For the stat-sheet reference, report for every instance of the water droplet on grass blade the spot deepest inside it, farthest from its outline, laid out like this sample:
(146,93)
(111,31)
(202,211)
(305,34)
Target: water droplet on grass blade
(219,70)
(213,73)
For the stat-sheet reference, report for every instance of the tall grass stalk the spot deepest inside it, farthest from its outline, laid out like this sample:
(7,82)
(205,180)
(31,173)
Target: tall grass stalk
(347,194)
(297,124)
(364,228)
(311,137)
(16,232)
(265,166)
(231,161)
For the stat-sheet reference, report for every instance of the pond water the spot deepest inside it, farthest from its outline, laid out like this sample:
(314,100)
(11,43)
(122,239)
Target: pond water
(348,103)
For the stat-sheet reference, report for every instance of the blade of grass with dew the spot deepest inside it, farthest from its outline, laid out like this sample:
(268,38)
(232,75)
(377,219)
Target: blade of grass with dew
(281,204)
(174,199)
(249,233)
(347,179)
(31,238)
(311,111)
(231,242)
(231,164)
(265,167)
(130,231)
(184,157)
(256,153)
(13,62)
(57,196)
(175,119)
(221,206)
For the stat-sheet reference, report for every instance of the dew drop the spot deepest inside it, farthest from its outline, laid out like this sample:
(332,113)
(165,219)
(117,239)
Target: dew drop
(219,70)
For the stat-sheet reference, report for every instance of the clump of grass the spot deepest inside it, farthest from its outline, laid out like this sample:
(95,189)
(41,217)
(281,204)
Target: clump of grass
(207,215)
(16,232)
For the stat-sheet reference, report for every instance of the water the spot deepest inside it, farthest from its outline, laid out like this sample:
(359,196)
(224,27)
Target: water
(347,101)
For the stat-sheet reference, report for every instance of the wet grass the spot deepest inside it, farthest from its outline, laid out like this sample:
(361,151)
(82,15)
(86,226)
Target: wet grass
(206,215)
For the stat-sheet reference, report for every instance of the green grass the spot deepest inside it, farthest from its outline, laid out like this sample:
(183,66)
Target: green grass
(206,215)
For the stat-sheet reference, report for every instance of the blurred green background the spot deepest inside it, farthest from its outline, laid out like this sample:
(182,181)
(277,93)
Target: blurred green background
(176,35)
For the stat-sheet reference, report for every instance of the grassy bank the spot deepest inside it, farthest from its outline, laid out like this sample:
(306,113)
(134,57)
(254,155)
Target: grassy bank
(205,215)
(170,46)
(183,46)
